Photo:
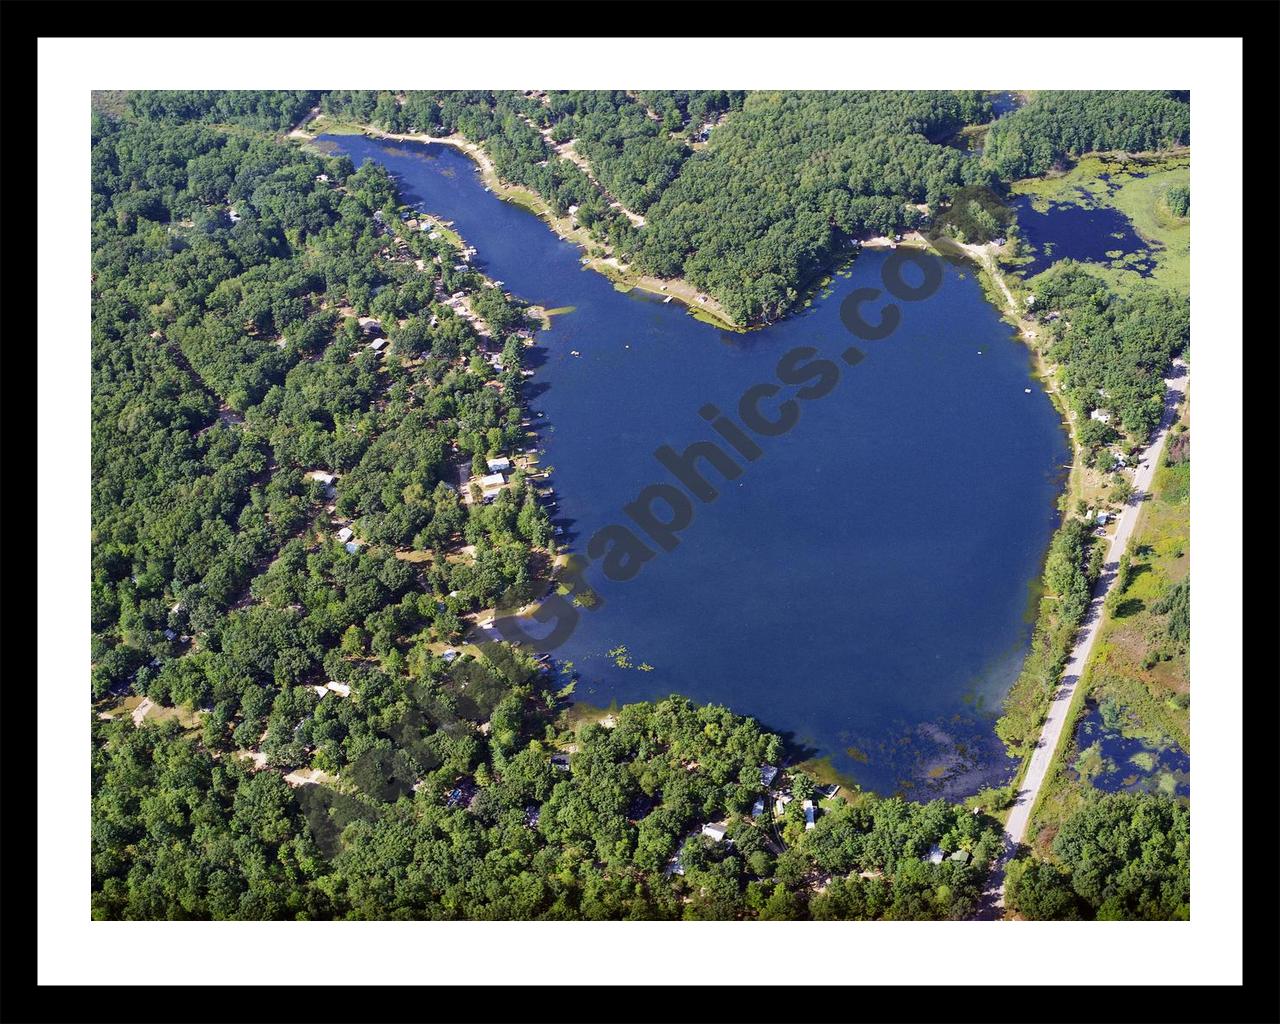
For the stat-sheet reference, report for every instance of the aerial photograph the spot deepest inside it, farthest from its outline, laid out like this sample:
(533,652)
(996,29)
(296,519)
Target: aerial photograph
(649,505)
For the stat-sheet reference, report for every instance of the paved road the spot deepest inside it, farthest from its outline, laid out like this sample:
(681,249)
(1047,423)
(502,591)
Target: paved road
(1015,828)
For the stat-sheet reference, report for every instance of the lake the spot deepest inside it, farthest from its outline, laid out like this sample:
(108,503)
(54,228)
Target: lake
(866,586)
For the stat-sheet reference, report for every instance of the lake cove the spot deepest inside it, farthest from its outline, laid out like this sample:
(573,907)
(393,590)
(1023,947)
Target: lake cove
(863,586)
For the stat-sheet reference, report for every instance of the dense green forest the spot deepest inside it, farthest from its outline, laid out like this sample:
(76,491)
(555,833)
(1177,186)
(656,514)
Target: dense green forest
(634,150)
(1123,857)
(1057,125)
(231,274)
(497,830)
(785,182)
(1114,350)
(224,373)
(238,282)
(268,111)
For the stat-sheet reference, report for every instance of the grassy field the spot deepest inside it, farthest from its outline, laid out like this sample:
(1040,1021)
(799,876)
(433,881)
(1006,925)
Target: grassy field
(124,707)
(1135,186)
(324,124)
(1125,666)
(110,101)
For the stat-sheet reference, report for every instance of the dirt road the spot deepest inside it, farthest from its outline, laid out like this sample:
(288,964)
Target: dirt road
(1051,734)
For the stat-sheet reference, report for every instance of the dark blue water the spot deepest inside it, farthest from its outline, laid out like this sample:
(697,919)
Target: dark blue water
(1129,763)
(1003,102)
(1084,232)
(863,586)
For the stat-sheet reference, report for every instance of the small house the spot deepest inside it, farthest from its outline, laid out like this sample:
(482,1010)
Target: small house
(499,465)
(345,534)
(714,830)
(341,689)
(448,655)
(369,326)
(757,808)
(934,856)
(560,761)
(780,805)
(809,814)
(960,857)
(323,179)
(491,481)
(1101,415)
(352,546)
(767,774)
(379,344)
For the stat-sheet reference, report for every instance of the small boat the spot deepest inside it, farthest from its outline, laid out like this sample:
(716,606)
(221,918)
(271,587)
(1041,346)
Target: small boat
(1026,391)
(574,352)
(668,299)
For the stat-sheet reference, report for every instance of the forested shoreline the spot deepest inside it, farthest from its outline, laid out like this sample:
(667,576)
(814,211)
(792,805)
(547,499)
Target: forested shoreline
(233,276)
(781,186)
(239,286)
